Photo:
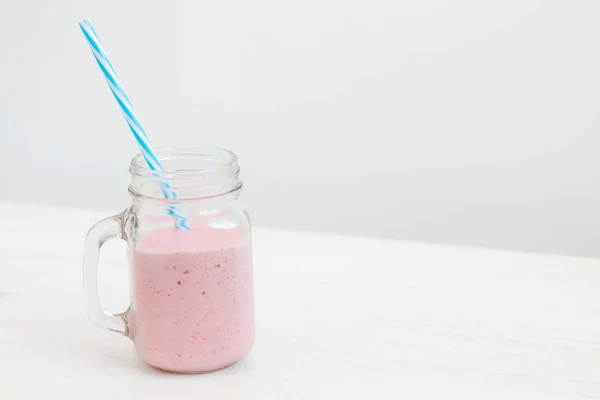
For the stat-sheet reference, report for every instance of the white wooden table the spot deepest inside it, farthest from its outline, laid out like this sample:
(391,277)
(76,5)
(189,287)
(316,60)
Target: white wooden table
(337,318)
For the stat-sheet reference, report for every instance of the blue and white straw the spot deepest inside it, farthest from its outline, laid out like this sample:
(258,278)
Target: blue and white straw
(134,124)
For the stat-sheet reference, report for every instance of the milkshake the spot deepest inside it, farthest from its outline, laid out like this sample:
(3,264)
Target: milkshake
(192,298)
(190,261)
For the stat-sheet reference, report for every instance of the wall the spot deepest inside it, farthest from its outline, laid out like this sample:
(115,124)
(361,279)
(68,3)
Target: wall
(464,121)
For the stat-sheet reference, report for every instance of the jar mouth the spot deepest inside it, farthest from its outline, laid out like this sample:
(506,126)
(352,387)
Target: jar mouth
(184,161)
(188,172)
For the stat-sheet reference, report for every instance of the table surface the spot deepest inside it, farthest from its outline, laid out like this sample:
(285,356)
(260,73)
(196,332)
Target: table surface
(337,318)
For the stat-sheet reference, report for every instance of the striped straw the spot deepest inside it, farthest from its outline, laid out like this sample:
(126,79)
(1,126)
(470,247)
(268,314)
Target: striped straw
(134,124)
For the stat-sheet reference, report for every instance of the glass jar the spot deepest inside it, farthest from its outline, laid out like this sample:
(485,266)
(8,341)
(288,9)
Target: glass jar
(190,257)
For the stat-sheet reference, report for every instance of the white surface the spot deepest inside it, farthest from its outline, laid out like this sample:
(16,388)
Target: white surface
(338,318)
(464,121)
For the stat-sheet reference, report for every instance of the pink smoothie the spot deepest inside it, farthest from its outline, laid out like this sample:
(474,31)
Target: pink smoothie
(192,306)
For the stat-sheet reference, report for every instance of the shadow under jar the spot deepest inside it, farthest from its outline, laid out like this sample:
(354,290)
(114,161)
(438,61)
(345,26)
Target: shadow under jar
(192,300)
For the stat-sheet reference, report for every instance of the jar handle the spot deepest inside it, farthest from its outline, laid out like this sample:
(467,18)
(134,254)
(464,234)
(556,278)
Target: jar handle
(101,232)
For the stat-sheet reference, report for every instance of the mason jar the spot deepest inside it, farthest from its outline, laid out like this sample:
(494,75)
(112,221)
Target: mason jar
(190,260)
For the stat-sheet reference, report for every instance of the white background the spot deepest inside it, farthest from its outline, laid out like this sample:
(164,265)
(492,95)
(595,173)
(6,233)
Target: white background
(460,121)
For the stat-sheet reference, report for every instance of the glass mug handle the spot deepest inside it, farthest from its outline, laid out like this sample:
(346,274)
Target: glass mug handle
(101,232)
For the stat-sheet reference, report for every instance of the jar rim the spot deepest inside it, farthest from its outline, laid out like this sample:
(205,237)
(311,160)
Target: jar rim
(226,160)
(189,172)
